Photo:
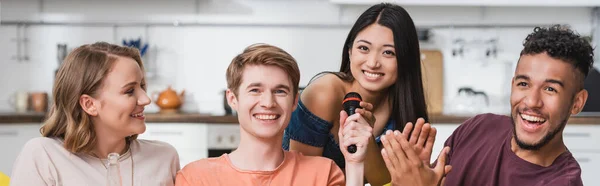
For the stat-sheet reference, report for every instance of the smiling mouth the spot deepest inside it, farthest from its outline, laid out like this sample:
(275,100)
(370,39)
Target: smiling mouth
(532,119)
(372,74)
(266,116)
(137,115)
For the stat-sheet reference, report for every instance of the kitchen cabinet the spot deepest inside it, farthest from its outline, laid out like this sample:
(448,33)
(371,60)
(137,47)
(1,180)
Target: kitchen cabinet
(538,3)
(444,131)
(584,143)
(590,166)
(194,141)
(223,136)
(189,139)
(582,137)
(9,47)
(12,139)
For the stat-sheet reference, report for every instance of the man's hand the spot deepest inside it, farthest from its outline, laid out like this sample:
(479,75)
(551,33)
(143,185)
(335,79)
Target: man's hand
(406,167)
(422,138)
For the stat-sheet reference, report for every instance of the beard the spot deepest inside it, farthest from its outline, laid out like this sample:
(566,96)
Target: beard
(545,140)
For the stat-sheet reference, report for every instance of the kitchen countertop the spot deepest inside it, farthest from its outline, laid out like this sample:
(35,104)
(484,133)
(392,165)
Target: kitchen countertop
(36,117)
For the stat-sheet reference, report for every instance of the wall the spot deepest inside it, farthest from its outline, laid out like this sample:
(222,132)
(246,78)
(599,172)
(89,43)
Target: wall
(194,57)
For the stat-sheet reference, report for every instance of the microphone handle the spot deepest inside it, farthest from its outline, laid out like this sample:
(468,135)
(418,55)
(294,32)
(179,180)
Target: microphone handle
(352,148)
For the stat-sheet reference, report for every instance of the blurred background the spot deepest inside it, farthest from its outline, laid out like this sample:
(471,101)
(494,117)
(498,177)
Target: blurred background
(470,49)
(191,42)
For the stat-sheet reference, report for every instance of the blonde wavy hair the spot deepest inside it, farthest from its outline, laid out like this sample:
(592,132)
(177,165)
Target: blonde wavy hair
(82,72)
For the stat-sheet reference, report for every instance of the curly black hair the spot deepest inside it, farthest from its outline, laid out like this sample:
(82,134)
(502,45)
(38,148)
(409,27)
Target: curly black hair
(562,43)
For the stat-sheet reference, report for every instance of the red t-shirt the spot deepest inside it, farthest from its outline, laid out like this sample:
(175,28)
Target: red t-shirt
(480,155)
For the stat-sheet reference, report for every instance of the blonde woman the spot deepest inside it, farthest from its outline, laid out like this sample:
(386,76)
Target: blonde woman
(99,96)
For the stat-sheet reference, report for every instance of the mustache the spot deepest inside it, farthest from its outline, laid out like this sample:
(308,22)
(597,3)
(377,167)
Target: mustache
(527,109)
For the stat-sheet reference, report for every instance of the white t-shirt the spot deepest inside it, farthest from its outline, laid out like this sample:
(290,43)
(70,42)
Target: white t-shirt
(45,161)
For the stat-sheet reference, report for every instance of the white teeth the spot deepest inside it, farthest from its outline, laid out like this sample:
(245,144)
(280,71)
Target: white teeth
(137,115)
(265,116)
(532,118)
(372,74)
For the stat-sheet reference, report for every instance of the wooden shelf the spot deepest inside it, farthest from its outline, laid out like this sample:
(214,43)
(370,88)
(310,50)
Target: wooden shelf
(36,117)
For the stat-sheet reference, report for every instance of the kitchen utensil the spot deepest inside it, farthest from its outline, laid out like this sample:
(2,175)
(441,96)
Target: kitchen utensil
(189,104)
(226,107)
(20,101)
(432,72)
(423,34)
(169,101)
(61,53)
(137,44)
(468,102)
(39,101)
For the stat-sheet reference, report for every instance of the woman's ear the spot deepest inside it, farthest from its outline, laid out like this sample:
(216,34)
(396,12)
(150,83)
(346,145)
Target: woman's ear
(88,105)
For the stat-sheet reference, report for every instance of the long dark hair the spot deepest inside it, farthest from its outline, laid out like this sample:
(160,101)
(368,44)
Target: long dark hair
(406,95)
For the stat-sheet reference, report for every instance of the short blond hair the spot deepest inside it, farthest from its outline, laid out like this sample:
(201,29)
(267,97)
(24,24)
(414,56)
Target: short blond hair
(82,72)
(262,54)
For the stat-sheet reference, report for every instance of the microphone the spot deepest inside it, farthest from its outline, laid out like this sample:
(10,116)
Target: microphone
(351,103)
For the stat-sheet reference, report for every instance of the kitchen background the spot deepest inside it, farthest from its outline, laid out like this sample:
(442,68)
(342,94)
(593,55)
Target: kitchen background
(191,42)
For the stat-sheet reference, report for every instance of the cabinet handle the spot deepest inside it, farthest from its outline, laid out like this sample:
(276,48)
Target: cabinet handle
(577,134)
(167,133)
(9,133)
(583,160)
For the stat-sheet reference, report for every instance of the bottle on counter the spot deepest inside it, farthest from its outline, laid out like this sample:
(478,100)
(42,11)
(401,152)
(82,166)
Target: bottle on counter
(113,174)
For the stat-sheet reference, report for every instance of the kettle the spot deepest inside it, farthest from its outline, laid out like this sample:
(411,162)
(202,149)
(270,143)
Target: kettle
(468,102)
(169,101)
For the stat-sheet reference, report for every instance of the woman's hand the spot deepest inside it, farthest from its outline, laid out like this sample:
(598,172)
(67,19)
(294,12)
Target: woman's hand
(406,167)
(366,113)
(354,130)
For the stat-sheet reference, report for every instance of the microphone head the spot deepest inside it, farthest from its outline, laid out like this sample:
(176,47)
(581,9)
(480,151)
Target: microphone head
(351,100)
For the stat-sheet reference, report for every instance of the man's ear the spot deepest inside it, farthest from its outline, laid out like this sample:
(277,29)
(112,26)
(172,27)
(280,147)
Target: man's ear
(232,100)
(88,105)
(579,101)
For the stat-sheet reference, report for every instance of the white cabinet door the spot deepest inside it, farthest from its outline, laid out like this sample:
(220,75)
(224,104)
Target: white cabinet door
(12,139)
(590,166)
(223,136)
(582,137)
(9,46)
(584,143)
(443,132)
(189,139)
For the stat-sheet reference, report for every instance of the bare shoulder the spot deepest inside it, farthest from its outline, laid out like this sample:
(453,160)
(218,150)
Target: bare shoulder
(323,96)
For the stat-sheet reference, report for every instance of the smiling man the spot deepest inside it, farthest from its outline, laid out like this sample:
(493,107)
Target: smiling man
(262,87)
(526,148)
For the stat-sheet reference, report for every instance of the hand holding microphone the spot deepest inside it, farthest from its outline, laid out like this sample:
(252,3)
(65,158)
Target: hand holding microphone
(355,131)
(351,103)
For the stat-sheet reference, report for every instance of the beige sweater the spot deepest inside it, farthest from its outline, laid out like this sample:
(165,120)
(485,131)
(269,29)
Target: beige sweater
(44,161)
